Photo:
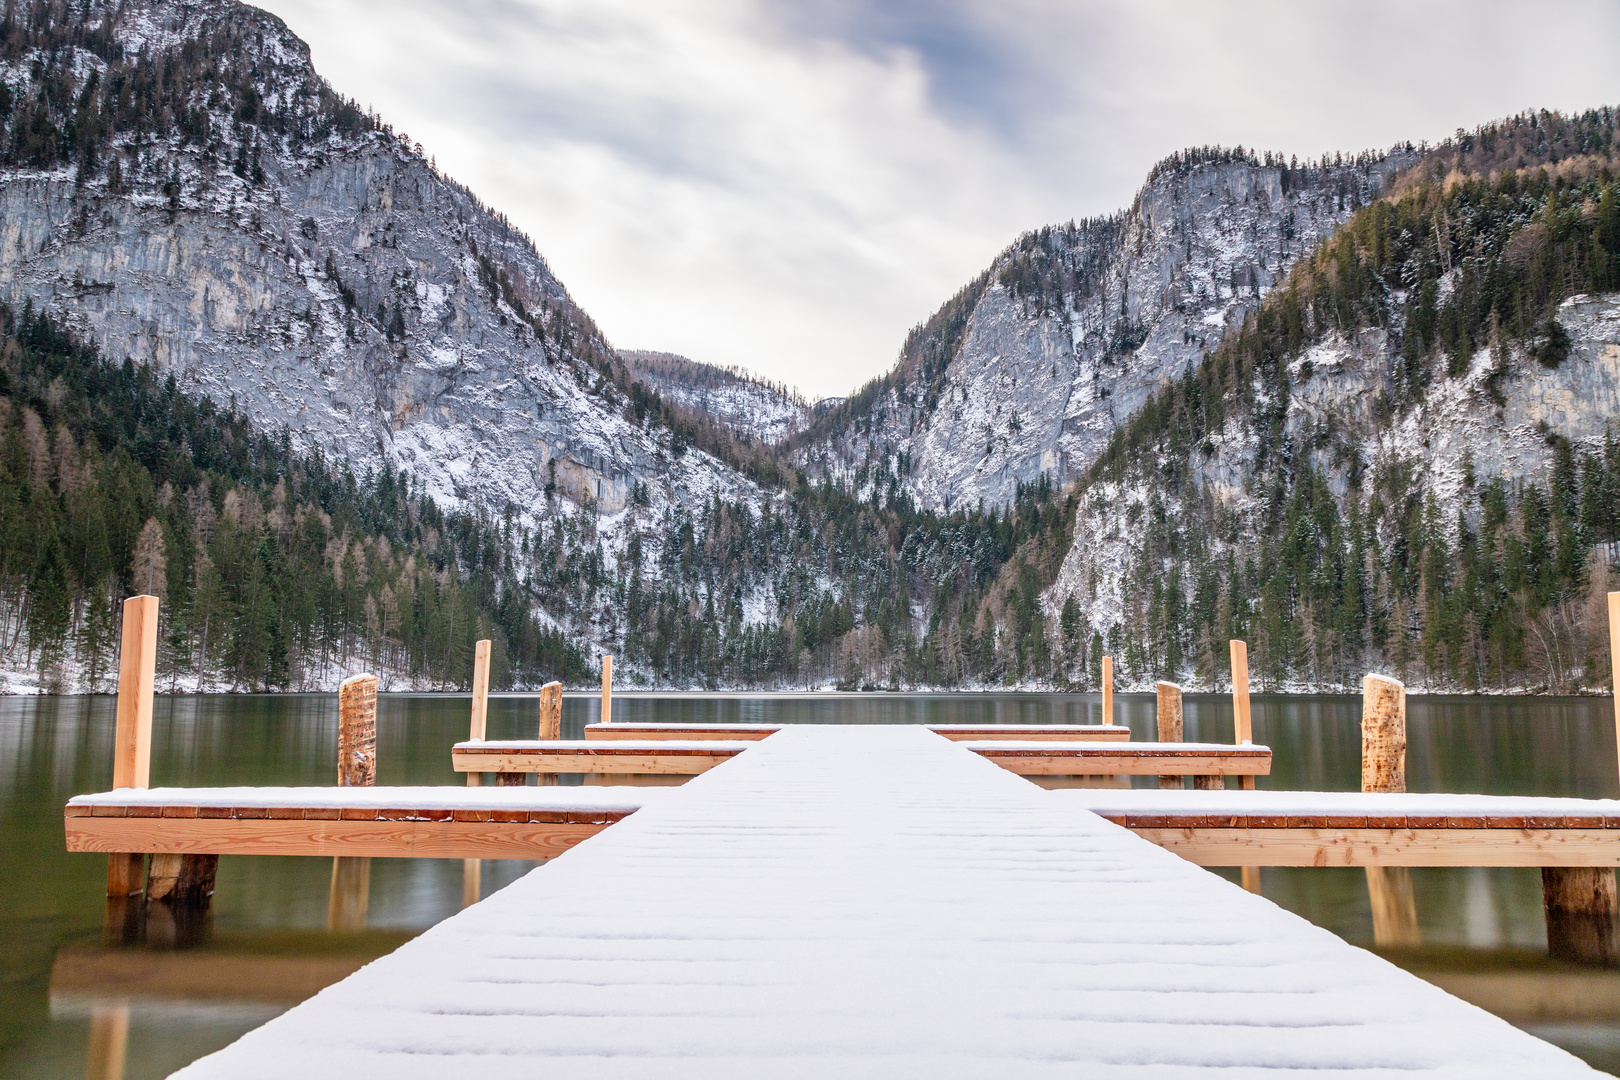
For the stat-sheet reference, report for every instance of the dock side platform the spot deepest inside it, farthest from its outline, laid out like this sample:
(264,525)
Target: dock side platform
(876,902)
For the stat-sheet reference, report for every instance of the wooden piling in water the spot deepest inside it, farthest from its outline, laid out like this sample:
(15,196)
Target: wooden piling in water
(480,702)
(550,723)
(607,690)
(1170,724)
(350,894)
(132,739)
(1580,901)
(1383,768)
(1108,690)
(1242,721)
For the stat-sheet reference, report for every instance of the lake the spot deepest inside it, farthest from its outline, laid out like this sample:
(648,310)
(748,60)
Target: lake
(267,944)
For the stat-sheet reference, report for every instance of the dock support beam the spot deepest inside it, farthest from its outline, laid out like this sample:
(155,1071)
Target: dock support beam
(357,767)
(607,689)
(1108,690)
(132,742)
(550,722)
(1383,768)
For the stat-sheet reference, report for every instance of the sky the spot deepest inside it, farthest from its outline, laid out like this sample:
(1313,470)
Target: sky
(790,187)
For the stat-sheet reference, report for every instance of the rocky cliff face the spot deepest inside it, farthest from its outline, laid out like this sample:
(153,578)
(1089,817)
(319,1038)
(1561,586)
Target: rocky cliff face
(267,244)
(1074,327)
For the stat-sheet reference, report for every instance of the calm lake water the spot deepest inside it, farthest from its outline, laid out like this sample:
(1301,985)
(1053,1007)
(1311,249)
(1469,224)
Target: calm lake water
(268,946)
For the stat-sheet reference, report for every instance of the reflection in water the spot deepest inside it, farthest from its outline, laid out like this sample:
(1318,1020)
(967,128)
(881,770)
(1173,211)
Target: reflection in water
(70,1006)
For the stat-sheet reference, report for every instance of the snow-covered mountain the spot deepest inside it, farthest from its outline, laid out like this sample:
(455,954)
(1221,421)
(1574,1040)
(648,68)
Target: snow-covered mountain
(227,217)
(1031,367)
(741,402)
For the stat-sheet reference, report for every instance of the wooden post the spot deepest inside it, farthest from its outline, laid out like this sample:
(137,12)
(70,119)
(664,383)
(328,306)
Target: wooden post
(551,711)
(550,723)
(472,875)
(1242,723)
(1580,904)
(1580,901)
(132,740)
(607,689)
(1383,734)
(480,703)
(1383,768)
(350,894)
(1614,660)
(1170,725)
(1108,690)
(357,731)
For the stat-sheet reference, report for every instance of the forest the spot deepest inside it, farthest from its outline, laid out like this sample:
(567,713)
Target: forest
(1508,590)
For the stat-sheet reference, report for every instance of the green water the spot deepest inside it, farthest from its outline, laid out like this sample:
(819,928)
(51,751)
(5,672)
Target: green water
(269,914)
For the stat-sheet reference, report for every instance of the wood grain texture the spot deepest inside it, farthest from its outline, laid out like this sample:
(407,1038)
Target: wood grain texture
(1108,689)
(418,839)
(137,671)
(591,758)
(551,711)
(1242,723)
(1105,760)
(1388,847)
(1383,734)
(357,731)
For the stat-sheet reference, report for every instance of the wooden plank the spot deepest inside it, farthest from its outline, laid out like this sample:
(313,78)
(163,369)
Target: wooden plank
(1129,759)
(1614,661)
(620,732)
(1388,847)
(607,689)
(954,732)
(682,762)
(418,839)
(1034,732)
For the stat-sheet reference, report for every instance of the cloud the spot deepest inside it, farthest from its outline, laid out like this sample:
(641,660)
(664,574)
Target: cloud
(790,187)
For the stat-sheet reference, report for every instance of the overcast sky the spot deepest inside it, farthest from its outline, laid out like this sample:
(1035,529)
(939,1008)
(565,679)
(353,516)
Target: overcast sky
(791,186)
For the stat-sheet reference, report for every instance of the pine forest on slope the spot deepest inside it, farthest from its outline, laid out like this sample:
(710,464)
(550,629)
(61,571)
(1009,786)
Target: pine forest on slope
(1314,403)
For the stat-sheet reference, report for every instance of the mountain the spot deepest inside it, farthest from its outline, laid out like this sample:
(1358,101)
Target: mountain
(181,187)
(750,407)
(1030,368)
(1406,458)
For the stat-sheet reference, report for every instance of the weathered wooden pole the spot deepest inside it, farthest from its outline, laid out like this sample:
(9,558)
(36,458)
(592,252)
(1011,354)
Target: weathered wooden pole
(1108,690)
(1580,901)
(1170,725)
(607,689)
(480,703)
(1383,768)
(350,894)
(472,870)
(132,739)
(550,723)
(1243,732)
(1242,722)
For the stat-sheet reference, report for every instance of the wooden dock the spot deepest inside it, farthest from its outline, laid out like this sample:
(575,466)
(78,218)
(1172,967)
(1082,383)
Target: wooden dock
(876,902)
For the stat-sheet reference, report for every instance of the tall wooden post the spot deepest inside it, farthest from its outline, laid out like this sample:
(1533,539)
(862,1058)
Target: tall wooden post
(1614,661)
(472,870)
(1108,689)
(607,689)
(1383,768)
(1170,725)
(1242,722)
(480,702)
(350,894)
(1243,732)
(1580,901)
(550,723)
(132,740)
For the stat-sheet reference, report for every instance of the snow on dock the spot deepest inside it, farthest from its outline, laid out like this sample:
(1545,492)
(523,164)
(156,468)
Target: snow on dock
(876,902)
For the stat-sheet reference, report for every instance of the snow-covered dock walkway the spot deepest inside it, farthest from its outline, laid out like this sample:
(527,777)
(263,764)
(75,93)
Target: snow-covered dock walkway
(876,902)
